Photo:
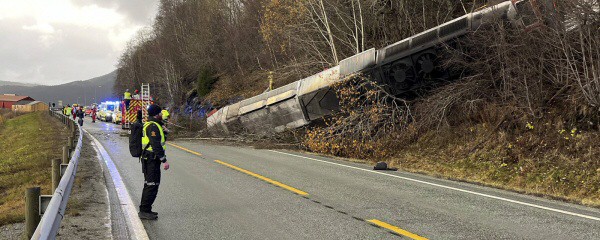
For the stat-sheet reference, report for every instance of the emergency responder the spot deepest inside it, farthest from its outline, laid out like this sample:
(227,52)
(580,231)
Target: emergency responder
(68,110)
(136,94)
(94,112)
(165,117)
(153,141)
(127,98)
(165,114)
(80,113)
(74,111)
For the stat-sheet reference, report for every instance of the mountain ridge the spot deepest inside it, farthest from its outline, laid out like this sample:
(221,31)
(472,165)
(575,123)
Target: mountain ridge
(9,83)
(86,92)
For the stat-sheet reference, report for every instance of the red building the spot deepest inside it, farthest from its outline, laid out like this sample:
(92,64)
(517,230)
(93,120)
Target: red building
(8,100)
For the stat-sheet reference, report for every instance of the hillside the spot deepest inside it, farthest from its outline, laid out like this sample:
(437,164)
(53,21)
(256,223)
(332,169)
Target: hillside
(84,92)
(8,83)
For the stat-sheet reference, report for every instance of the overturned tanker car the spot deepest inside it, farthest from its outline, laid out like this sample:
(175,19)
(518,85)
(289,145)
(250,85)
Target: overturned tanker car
(403,66)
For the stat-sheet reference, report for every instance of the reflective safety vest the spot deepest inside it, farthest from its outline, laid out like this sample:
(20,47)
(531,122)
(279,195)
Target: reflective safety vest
(127,95)
(68,111)
(146,139)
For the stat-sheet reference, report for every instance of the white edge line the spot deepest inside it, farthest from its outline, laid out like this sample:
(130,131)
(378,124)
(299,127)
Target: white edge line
(134,224)
(108,207)
(448,187)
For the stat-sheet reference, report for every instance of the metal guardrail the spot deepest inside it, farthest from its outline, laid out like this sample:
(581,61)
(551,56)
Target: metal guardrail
(55,212)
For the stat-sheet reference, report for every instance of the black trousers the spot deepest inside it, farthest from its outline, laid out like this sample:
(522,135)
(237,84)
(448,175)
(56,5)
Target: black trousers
(151,170)
(127,101)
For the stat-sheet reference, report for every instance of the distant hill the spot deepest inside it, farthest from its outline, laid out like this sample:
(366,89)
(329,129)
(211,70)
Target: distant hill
(83,92)
(7,83)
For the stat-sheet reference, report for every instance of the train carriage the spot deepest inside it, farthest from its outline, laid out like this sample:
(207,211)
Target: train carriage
(403,67)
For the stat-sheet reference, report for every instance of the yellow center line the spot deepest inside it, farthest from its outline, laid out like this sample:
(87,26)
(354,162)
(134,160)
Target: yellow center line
(396,229)
(184,149)
(271,181)
(302,193)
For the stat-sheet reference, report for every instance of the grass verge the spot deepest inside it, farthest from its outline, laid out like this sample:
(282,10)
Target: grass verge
(540,161)
(561,164)
(28,143)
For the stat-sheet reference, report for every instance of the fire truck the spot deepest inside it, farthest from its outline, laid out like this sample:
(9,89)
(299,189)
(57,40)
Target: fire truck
(137,103)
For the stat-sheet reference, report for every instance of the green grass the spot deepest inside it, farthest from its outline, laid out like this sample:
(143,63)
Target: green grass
(28,143)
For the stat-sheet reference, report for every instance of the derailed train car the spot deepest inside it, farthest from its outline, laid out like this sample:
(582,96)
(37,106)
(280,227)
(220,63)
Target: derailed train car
(402,66)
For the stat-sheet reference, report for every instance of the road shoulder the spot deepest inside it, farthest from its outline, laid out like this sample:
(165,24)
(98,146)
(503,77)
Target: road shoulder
(88,212)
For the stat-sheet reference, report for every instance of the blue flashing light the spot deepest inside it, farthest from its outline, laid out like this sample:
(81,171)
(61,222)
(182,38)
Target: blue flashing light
(111,102)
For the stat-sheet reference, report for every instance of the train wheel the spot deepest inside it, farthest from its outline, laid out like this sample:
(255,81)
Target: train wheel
(426,64)
(399,77)
(403,76)
(429,71)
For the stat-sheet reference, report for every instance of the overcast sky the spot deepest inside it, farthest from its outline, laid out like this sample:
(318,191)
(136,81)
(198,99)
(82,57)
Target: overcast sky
(57,41)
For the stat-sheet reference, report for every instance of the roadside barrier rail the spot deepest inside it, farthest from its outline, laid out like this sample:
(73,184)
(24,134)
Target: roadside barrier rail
(55,211)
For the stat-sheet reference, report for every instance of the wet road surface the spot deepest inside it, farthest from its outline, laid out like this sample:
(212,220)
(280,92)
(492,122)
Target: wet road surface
(226,192)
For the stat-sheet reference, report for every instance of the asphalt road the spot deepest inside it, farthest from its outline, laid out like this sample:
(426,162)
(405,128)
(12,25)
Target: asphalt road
(225,192)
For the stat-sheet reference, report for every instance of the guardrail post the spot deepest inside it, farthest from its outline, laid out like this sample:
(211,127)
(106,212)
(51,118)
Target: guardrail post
(32,211)
(65,155)
(55,173)
(70,142)
(74,129)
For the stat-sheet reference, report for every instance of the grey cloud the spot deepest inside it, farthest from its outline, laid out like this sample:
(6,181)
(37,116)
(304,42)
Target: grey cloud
(77,53)
(138,11)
